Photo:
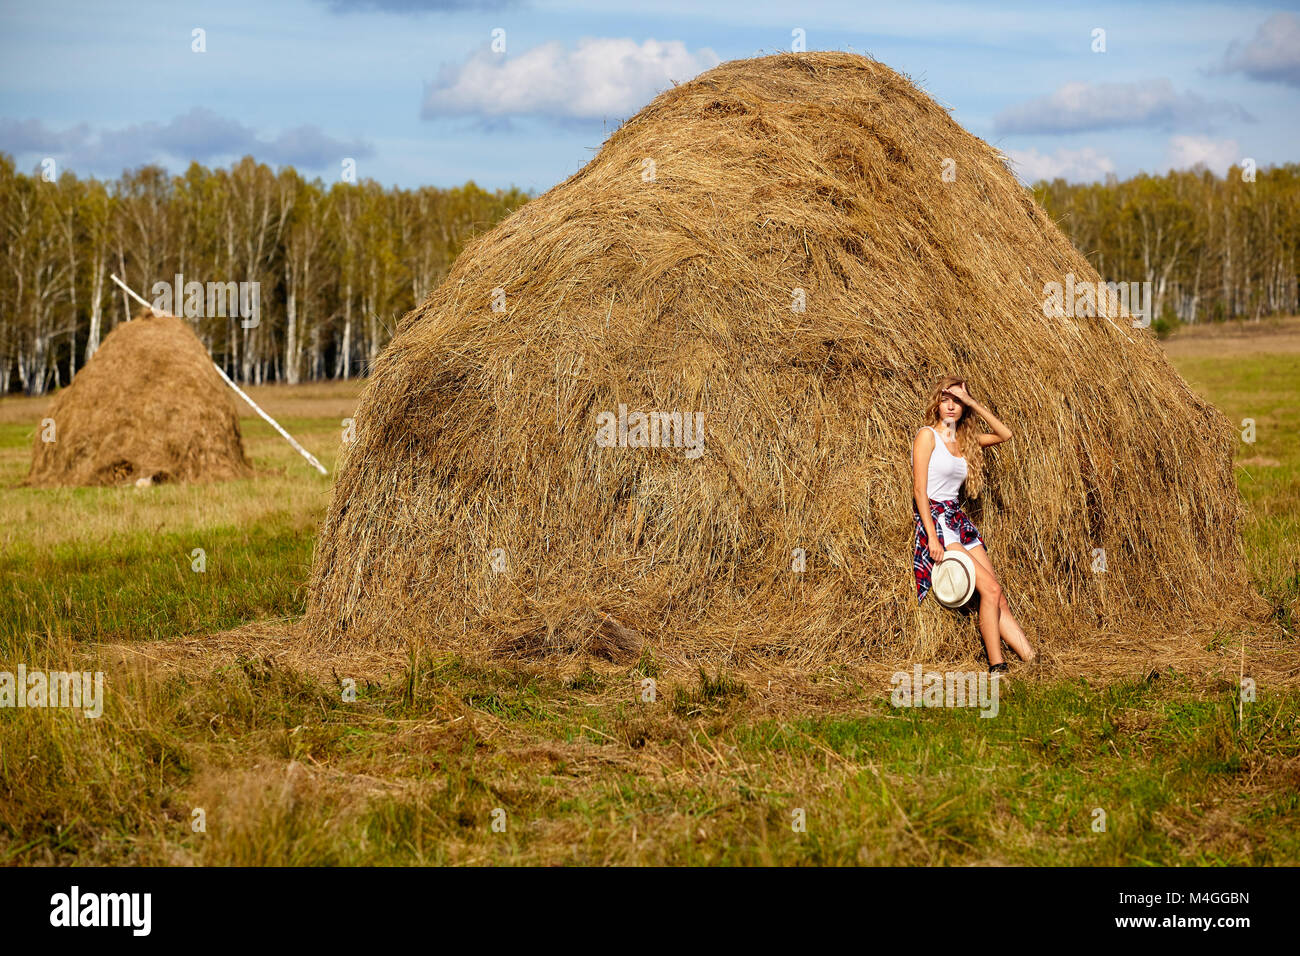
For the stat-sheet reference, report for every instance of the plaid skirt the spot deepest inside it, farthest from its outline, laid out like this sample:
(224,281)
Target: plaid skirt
(942,511)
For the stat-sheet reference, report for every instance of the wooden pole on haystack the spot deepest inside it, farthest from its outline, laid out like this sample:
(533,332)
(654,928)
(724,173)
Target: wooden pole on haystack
(311,459)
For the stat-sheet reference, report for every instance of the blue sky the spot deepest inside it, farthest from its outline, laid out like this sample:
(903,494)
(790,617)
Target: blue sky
(414,92)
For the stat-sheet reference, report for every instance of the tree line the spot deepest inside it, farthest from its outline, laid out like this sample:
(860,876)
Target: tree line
(337,266)
(1212,248)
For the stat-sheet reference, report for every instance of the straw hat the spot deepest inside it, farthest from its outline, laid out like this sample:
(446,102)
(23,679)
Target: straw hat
(953,579)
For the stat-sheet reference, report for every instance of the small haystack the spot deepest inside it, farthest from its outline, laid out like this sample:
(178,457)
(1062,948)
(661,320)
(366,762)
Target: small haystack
(147,407)
(775,245)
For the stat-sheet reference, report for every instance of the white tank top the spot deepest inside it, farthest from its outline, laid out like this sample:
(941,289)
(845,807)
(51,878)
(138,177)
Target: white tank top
(947,471)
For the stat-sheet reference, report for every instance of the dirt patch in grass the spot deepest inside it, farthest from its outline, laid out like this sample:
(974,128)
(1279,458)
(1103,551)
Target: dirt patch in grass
(1230,340)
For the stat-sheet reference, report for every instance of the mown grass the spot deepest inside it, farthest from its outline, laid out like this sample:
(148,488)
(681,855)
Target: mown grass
(416,769)
(108,564)
(155,586)
(256,762)
(1263,389)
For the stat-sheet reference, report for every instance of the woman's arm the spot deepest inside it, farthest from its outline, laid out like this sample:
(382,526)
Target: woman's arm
(1001,432)
(922,449)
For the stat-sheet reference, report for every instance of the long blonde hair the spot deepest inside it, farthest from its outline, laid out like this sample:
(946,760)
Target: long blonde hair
(967,434)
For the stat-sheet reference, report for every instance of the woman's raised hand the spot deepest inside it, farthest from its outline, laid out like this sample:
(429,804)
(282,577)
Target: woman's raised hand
(958,392)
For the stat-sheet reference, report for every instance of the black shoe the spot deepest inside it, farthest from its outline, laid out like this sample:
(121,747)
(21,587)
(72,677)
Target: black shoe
(998,668)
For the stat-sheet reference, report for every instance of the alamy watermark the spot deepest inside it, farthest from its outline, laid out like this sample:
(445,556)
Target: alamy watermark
(1092,299)
(213,300)
(78,689)
(651,430)
(946,689)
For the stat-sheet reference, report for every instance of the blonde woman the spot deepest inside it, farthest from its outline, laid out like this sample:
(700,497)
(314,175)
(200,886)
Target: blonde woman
(947,452)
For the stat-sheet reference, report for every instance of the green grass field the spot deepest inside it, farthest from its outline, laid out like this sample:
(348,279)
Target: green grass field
(255,759)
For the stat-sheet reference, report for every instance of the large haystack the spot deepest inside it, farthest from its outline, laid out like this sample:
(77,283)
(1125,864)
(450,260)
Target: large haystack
(662,277)
(147,406)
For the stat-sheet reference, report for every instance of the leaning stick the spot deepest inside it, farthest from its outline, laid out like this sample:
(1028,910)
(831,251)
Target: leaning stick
(311,459)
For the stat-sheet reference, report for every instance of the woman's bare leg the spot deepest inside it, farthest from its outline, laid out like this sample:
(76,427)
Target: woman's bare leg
(986,583)
(1008,626)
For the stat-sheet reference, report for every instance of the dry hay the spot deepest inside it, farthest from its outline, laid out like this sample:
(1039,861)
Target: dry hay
(673,291)
(147,408)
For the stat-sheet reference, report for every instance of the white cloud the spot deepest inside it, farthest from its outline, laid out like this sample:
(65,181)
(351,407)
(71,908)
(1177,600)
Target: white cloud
(1074,165)
(1078,107)
(1217,155)
(1272,54)
(602,77)
(200,134)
